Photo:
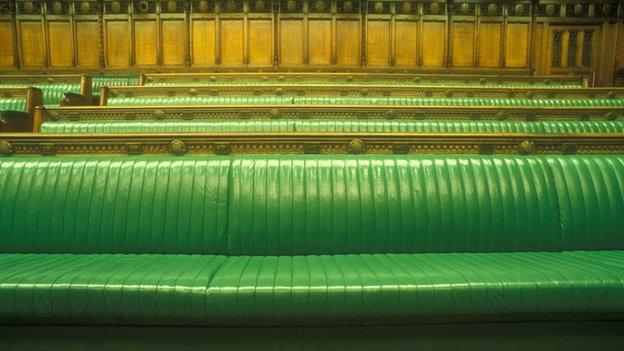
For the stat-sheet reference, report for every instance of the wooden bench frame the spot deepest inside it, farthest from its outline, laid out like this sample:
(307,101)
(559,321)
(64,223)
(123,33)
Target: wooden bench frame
(357,76)
(158,113)
(179,144)
(21,121)
(358,91)
(84,98)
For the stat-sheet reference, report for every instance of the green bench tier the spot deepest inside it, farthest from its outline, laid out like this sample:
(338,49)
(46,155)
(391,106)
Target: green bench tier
(326,125)
(390,101)
(17,108)
(146,239)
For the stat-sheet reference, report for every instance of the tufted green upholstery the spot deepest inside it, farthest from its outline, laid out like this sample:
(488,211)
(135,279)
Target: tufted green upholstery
(53,93)
(12,105)
(310,236)
(314,100)
(98,82)
(324,125)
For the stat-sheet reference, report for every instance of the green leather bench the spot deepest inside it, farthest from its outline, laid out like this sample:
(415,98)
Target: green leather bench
(284,239)
(55,88)
(327,125)
(17,108)
(394,101)
(104,81)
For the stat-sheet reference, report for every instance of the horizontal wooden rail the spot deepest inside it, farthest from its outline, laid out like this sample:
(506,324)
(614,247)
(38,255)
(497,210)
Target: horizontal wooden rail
(330,90)
(311,143)
(420,77)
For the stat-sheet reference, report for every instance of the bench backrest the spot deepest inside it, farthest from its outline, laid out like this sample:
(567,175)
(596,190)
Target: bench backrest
(311,204)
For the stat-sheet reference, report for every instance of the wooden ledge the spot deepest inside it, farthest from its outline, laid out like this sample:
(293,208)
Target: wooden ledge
(310,143)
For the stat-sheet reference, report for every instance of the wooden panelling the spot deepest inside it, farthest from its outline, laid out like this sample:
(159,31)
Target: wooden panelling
(406,38)
(516,45)
(145,42)
(347,42)
(117,51)
(232,42)
(489,44)
(463,44)
(260,43)
(173,42)
(6,44)
(433,43)
(319,41)
(88,44)
(378,43)
(33,44)
(203,38)
(61,44)
(291,42)
(619,53)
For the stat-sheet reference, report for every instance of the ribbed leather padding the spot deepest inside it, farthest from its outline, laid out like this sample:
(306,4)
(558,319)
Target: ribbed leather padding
(13,105)
(357,100)
(311,204)
(333,204)
(331,125)
(52,93)
(204,287)
(591,200)
(113,204)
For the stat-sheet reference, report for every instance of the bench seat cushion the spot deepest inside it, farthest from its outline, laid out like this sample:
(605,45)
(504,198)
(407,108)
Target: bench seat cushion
(52,93)
(357,100)
(205,288)
(328,125)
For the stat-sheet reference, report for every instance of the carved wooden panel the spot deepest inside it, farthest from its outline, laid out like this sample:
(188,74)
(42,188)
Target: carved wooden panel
(117,52)
(232,42)
(463,44)
(203,51)
(378,43)
(87,44)
(32,40)
(319,42)
(173,42)
(406,39)
(145,42)
(347,42)
(260,43)
(433,53)
(6,44)
(291,42)
(489,44)
(61,44)
(516,46)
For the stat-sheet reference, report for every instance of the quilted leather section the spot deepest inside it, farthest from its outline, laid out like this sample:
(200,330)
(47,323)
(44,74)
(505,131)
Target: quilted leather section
(112,204)
(356,100)
(12,105)
(333,204)
(310,204)
(331,125)
(205,287)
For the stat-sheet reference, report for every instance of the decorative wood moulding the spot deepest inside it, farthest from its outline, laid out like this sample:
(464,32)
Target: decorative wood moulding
(484,78)
(521,8)
(335,143)
(360,90)
(324,111)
